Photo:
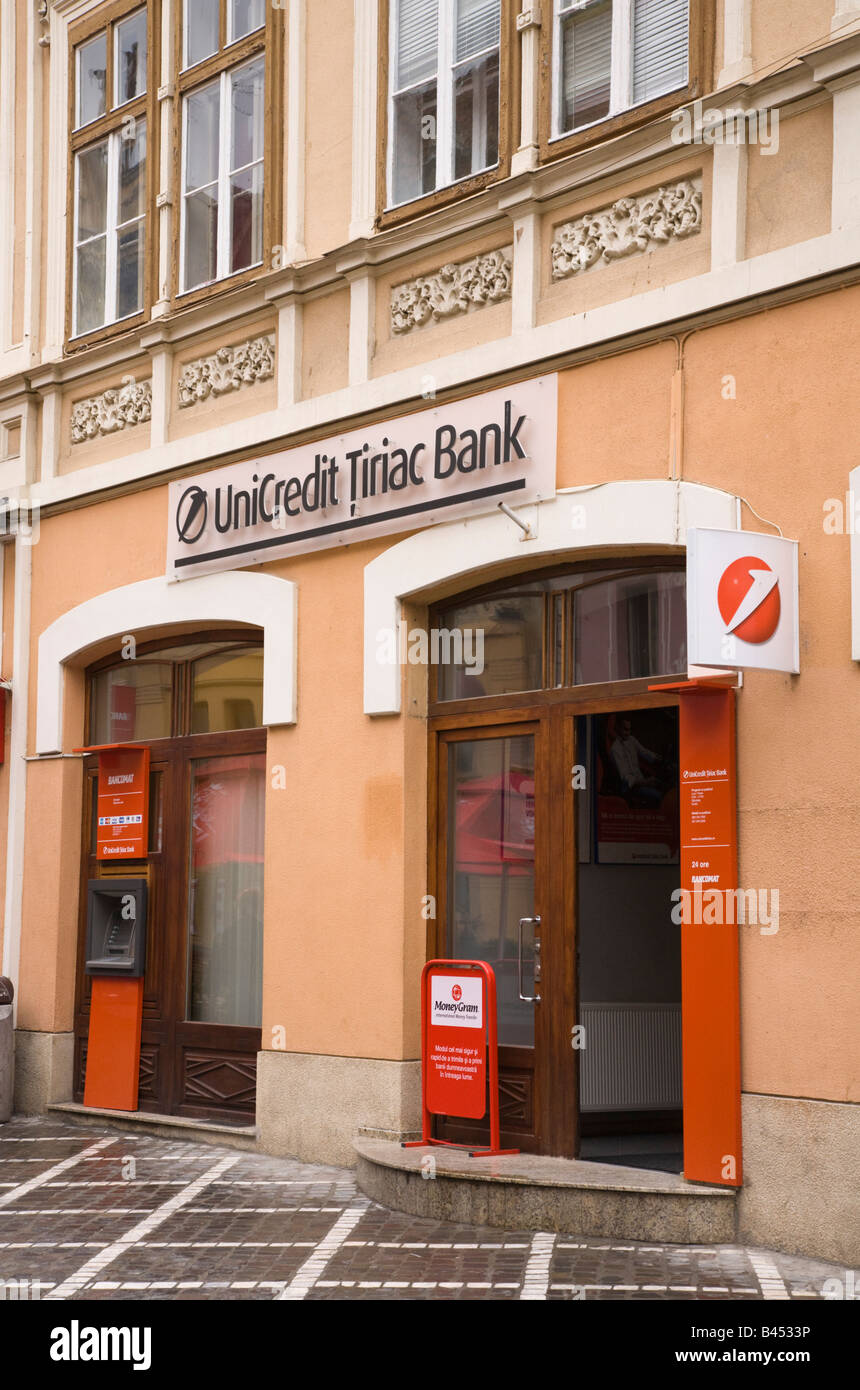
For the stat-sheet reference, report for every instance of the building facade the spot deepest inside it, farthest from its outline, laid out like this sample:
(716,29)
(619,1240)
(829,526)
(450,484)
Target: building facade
(277,280)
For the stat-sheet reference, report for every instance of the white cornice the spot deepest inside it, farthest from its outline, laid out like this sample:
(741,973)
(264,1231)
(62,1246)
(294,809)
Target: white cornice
(701,298)
(834,61)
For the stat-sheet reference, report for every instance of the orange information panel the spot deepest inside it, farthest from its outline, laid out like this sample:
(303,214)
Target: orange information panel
(113,1047)
(709,937)
(123,803)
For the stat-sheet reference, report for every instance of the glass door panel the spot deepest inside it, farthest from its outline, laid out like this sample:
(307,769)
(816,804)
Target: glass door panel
(225,890)
(491,868)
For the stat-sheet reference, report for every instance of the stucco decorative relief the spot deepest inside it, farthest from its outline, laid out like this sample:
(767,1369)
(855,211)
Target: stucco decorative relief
(227,370)
(116,409)
(454,289)
(630,225)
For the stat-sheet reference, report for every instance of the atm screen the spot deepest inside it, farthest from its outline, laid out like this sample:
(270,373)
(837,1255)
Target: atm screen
(116,927)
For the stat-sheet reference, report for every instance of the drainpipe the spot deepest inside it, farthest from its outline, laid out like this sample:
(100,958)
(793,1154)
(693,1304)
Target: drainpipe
(17,767)
(676,425)
(676,408)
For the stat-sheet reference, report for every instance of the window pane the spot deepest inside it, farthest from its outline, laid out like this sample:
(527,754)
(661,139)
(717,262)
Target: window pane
(227,691)
(202,126)
(90,294)
(131,701)
(417,41)
(493,647)
(92,79)
(131,201)
(477,27)
(557,677)
(130,58)
(246,98)
(660,47)
(225,908)
(201,236)
(92,167)
(414,153)
(586,66)
(629,628)
(476,117)
(491,856)
(201,24)
(130,270)
(245,17)
(246,218)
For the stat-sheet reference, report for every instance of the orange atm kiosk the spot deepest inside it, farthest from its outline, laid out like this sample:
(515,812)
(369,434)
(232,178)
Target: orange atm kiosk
(116,930)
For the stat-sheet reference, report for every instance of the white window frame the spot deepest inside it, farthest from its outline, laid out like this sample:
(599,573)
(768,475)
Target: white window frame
(79,52)
(621,70)
(230,37)
(446,76)
(113,228)
(116,104)
(186,66)
(225,173)
(236,38)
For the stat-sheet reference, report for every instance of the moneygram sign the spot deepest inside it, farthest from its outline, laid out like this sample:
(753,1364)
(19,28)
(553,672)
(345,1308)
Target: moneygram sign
(440,464)
(456,1002)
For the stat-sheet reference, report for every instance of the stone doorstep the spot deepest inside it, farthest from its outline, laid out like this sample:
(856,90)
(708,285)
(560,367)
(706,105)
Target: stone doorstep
(534,1192)
(165,1126)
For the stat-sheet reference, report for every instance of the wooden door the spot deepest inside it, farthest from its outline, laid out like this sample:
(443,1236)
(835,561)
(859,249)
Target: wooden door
(493,848)
(484,768)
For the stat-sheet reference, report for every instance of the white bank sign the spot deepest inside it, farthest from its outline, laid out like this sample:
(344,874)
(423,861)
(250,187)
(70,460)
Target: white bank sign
(440,464)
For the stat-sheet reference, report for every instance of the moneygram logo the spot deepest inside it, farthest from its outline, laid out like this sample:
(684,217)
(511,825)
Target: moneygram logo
(748,599)
(456,994)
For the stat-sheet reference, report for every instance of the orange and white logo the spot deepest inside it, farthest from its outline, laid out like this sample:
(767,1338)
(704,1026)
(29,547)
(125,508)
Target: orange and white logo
(742,601)
(456,993)
(748,599)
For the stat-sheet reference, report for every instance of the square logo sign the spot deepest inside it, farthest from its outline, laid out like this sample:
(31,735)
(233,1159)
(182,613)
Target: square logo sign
(456,1001)
(742,601)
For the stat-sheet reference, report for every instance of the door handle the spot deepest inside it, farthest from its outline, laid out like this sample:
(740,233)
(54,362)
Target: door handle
(528,998)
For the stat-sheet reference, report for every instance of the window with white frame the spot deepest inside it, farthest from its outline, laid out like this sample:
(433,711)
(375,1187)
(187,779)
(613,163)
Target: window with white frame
(223,140)
(109,174)
(611,55)
(443,105)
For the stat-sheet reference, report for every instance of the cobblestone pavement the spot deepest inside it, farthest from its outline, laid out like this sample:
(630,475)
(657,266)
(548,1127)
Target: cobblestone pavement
(101,1214)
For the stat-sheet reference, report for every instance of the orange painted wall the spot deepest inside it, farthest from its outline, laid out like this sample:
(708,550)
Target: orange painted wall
(345,841)
(7,598)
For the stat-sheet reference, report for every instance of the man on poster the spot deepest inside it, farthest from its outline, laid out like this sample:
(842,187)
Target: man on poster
(628,754)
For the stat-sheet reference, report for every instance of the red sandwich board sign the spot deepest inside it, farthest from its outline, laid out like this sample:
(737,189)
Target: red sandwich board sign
(456,1057)
(459,1047)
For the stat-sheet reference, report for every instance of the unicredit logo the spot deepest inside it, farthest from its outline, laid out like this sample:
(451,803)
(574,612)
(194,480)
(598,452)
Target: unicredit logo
(748,599)
(456,993)
(191,514)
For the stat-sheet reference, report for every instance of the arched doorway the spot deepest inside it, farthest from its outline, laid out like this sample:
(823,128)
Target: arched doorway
(555,847)
(198,704)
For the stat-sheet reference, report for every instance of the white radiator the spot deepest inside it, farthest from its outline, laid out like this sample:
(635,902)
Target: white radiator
(632,1057)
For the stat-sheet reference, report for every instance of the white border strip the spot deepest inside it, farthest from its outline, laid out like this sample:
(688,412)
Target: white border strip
(314,1267)
(51,1173)
(77,1281)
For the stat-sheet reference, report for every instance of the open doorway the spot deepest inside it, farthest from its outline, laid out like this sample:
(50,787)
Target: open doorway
(628,948)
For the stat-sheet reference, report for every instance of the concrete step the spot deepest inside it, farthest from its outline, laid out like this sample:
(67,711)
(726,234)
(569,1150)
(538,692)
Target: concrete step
(165,1126)
(529,1192)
